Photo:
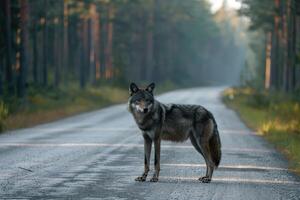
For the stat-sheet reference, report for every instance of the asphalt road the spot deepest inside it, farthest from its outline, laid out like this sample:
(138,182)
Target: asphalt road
(97,155)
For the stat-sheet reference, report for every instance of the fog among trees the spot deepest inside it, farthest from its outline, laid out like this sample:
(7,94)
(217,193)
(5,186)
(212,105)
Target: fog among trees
(49,43)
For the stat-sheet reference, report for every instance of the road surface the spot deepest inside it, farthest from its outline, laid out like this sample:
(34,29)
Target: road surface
(97,155)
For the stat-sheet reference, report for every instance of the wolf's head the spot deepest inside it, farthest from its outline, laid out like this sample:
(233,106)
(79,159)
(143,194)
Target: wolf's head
(141,99)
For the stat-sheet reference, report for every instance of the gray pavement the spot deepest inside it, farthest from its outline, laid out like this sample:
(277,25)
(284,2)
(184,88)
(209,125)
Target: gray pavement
(97,155)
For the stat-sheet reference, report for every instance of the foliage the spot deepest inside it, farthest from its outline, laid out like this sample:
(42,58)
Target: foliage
(260,12)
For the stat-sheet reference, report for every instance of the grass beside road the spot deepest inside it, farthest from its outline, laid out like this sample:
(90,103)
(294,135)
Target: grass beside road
(43,106)
(276,117)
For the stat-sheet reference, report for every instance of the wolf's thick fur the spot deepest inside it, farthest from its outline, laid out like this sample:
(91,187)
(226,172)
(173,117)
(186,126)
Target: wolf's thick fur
(174,122)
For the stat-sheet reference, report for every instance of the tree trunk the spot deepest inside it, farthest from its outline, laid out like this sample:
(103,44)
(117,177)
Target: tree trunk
(275,62)
(24,17)
(45,46)
(1,77)
(292,44)
(284,48)
(80,54)
(66,42)
(297,74)
(109,43)
(57,52)
(150,46)
(95,44)
(91,51)
(268,60)
(8,44)
(98,42)
(86,47)
(274,58)
(35,52)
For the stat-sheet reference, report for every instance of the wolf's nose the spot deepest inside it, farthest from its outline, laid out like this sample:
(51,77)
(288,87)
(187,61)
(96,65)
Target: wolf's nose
(145,110)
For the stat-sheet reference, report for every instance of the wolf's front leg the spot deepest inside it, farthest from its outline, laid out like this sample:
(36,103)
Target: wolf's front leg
(156,160)
(147,152)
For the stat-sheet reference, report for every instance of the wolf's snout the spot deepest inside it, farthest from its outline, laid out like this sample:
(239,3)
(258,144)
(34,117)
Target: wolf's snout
(146,110)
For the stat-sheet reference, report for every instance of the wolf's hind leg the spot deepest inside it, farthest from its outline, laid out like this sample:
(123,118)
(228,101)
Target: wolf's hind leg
(197,146)
(209,163)
(205,178)
(194,143)
(147,152)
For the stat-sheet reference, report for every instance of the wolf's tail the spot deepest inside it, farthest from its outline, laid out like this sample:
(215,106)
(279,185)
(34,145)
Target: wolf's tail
(215,143)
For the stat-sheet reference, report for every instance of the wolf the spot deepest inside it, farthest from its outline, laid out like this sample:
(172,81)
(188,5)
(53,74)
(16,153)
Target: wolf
(173,122)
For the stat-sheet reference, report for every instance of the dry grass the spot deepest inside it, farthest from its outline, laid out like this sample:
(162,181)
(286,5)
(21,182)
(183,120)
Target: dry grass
(275,117)
(42,107)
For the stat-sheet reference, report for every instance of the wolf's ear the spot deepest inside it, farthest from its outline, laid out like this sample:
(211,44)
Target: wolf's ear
(150,88)
(133,88)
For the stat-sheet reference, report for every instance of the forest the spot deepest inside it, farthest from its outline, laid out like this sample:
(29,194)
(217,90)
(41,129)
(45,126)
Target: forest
(49,43)
(269,99)
(61,57)
(84,53)
(277,43)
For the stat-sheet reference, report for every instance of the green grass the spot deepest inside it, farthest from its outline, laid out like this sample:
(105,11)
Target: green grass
(274,116)
(43,106)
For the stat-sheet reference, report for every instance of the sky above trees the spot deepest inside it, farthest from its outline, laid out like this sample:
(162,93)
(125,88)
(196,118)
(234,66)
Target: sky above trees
(216,4)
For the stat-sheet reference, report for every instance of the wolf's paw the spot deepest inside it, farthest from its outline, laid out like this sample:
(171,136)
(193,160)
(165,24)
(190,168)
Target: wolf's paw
(205,179)
(140,179)
(154,179)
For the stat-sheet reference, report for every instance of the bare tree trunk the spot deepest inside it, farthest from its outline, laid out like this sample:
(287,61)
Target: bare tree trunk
(274,57)
(94,43)
(8,44)
(45,46)
(35,52)
(275,64)
(57,52)
(297,23)
(98,51)
(150,45)
(24,17)
(292,44)
(1,77)
(108,50)
(268,60)
(284,40)
(86,47)
(81,53)
(96,26)
(91,51)
(66,42)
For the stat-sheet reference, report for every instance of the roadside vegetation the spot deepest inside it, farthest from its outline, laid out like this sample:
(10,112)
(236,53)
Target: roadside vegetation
(274,116)
(42,105)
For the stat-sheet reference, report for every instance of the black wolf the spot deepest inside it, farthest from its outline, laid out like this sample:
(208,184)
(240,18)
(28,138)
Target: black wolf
(174,122)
